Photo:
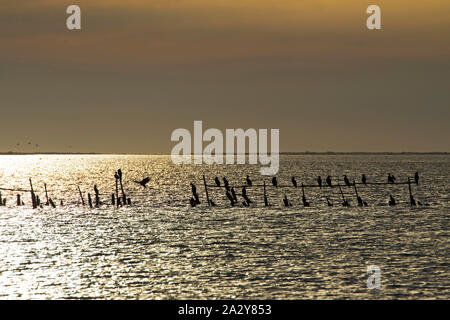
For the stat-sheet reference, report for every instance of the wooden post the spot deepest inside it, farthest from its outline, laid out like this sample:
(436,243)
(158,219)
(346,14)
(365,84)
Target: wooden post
(113,199)
(52,203)
(266,202)
(206,191)
(411,198)
(1,201)
(81,196)
(19,202)
(90,200)
(46,194)
(360,203)
(33,197)
(97,197)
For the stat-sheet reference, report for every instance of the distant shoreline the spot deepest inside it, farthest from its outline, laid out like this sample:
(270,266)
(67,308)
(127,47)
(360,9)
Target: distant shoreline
(281,153)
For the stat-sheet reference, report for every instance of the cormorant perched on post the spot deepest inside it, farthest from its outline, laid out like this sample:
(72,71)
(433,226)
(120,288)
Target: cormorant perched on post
(416,178)
(230,197)
(143,182)
(329,181)
(275,182)
(391,178)
(392,200)
(286,202)
(329,203)
(217,181)
(249,182)
(234,195)
(225,183)
(364,179)
(347,182)
(294,182)
(194,188)
(319,182)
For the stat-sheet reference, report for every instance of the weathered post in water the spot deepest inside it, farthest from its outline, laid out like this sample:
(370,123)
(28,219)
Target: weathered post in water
(97,196)
(33,196)
(46,194)
(81,196)
(206,191)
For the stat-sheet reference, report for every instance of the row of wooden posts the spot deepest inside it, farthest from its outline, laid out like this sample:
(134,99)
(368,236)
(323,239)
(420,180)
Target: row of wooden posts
(231,194)
(116,200)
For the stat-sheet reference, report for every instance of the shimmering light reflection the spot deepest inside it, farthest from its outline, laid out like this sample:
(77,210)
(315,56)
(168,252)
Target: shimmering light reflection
(161,248)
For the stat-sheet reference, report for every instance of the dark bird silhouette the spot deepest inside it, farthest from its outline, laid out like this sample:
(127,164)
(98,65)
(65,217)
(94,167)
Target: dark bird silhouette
(391,178)
(249,182)
(364,179)
(226,184)
(119,173)
(275,182)
(217,181)
(192,202)
(319,182)
(231,198)
(329,181)
(347,182)
(329,202)
(233,193)
(294,182)
(143,182)
(194,188)
(416,178)
(392,201)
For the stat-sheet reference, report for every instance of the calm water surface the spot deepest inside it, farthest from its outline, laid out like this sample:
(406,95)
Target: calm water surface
(160,248)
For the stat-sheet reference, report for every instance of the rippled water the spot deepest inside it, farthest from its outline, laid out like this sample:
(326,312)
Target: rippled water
(160,248)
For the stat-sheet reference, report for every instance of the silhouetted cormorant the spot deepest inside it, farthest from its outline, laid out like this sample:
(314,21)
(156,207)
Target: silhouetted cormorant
(275,182)
(217,181)
(392,201)
(194,188)
(347,182)
(319,182)
(192,202)
(294,182)
(143,182)
(329,181)
(364,179)
(249,182)
(391,178)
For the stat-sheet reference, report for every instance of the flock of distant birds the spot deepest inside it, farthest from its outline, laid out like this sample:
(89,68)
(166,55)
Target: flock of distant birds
(233,197)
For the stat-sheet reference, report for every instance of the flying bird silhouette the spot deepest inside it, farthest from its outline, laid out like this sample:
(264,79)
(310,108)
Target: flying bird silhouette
(143,182)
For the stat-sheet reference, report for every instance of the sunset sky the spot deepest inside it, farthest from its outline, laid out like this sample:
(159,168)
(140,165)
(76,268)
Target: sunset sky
(140,69)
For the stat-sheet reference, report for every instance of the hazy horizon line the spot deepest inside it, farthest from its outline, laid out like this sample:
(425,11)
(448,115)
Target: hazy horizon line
(193,154)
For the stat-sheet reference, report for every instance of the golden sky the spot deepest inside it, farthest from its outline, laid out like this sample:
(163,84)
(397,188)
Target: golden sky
(139,69)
